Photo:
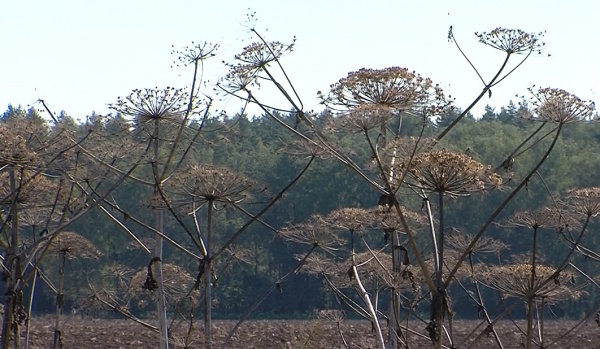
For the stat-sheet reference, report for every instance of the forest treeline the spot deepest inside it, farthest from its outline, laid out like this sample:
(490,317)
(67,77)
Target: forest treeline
(259,148)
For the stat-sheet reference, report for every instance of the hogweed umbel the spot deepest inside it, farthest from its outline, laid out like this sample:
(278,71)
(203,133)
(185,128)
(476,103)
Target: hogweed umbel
(512,40)
(448,172)
(392,89)
(559,106)
(516,281)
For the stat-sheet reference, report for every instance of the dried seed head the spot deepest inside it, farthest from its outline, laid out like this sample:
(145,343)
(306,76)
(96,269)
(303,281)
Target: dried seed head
(449,172)
(334,315)
(73,246)
(254,59)
(515,281)
(349,219)
(239,78)
(14,150)
(177,283)
(364,117)
(167,106)
(152,104)
(303,148)
(316,264)
(258,55)
(33,192)
(391,90)
(460,241)
(209,183)
(584,201)
(559,106)
(512,40)
(195,53)
(313,233)
(544,218)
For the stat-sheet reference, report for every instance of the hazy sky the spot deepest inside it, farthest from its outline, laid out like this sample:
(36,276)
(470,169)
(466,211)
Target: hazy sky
(80,55)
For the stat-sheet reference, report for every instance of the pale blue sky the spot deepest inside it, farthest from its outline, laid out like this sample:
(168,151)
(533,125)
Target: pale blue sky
(80,55)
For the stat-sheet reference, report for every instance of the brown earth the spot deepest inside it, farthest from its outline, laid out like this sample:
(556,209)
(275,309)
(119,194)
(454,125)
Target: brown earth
(281,334)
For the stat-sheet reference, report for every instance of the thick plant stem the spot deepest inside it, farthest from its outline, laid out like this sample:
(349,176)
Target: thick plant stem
(393,323)
(530,301)
(208,281)
(62,258)
(477,99)
(365,296)
(29,308)
(531,297)
(440,266)
(440,292)
(542,323)
(10,326)
(158,273)
(159,217)
(500,208)
(434,240)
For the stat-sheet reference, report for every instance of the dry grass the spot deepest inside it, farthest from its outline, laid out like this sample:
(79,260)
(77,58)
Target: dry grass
(285,334)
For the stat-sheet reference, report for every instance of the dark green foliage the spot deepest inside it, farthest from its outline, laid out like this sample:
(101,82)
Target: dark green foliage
(256,148)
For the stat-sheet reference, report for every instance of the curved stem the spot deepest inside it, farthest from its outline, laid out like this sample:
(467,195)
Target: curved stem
(453,38)
(342,158)
(262,212)
(280,67)
(176,141)
(365,296)
(276,285)
(477,99)
(501,207)
(514,152)
(484,313)
(434,240)
(515,68)
(409,233)
(541,321)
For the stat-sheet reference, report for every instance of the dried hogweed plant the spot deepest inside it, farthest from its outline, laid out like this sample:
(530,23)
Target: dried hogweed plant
(153,105)
(460,241)
(253,66)
(584,201)
(164,124)
(314,233)
(199,191)
(207,183)
(391,90)
(36,195)
(73,245)
(559,106)
(534,281)
(512,40)
(448,172)
(178,286)
(259,55)
(196,53)
(371,101)
(515,281)
(66,246)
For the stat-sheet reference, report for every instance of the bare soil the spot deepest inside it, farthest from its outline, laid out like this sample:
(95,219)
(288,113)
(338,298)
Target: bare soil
(285,334)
